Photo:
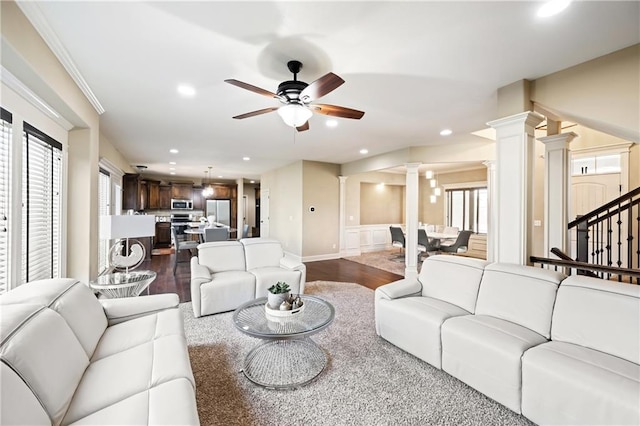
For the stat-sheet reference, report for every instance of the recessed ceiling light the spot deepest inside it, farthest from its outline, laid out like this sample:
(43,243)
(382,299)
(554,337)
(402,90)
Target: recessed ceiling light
(173,163)
(252,181)
(246,158)
(446,132)
(220,177)
(332,123)
(553,7)
(172,168)
(173,151)
(364,151)
(172,173)
(186,90)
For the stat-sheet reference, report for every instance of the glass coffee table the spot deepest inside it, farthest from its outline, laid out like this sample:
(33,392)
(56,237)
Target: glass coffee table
(287,358)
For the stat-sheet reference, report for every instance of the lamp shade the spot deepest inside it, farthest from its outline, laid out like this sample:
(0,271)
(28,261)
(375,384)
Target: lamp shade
(429,174)
(294,115)
(127,226)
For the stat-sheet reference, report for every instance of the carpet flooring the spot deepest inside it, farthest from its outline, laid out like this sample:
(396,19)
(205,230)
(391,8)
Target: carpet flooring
(368,381)
(383,260)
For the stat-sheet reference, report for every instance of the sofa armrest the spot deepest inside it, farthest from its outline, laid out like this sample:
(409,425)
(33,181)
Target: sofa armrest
(128,308)
(398,289)
(289,263)
(200,274)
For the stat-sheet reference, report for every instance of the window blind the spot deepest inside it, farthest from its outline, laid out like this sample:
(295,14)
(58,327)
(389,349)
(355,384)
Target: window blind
(5,182)
(41,212)
(104,208)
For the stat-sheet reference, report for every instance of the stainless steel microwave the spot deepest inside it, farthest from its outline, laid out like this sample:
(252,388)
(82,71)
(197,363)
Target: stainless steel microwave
(181,204)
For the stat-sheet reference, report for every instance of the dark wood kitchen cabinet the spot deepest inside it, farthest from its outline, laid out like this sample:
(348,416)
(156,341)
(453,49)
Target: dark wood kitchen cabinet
(153,187)
(165,197)
(181,191)
(198,198)
(134,192)
(163,234)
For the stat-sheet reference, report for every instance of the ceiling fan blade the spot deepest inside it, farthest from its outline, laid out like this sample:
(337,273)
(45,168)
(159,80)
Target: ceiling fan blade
(251,88)
(337,111)
(304,127)
(254,113)
(325,84)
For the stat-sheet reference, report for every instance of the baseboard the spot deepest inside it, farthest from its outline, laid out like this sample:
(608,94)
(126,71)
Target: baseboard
(328,256)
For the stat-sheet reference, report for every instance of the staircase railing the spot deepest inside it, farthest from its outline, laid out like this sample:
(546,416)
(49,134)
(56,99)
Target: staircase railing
(610,235)
(570,267)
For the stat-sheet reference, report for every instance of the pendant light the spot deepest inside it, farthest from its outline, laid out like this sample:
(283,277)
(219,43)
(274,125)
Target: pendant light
(208,190)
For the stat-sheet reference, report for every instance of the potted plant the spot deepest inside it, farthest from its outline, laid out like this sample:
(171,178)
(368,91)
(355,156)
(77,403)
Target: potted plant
(278,293)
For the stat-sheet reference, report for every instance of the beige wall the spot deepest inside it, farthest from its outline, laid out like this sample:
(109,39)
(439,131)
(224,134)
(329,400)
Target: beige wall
(353,205)
(381,203)
(27,57)
(601,94)
(285,205)
(435,213)
(321,190)
(111,154)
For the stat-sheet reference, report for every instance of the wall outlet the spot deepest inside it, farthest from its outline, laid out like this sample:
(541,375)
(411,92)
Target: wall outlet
(334,246)
(537,223)
(351,218)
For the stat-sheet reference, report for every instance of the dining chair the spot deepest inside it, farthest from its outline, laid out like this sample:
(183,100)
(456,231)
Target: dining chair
(179,246)
(460,245)
(425,245)
(215,234)
(397,240)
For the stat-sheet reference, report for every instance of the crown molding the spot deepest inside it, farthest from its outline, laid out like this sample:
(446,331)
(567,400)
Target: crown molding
(17,86)
(33,13)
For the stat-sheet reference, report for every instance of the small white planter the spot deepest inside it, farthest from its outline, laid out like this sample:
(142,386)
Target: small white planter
(275,300)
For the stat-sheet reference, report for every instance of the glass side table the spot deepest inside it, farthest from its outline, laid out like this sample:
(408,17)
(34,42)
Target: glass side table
(287,358)
(123,284)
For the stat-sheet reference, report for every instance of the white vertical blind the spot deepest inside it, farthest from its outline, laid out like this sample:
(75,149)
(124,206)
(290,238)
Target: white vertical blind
(5,184)
(104,208)
(41,195)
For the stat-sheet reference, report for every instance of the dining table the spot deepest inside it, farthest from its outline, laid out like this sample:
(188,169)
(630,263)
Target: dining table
(199,231)
(442,237)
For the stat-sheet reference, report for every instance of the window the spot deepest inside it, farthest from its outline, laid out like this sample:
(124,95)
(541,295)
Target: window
(468,209)
(5,182)
(104,208)
(41,198)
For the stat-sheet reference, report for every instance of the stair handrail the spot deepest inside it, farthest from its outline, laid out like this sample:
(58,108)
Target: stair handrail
(573,264)
(613,203)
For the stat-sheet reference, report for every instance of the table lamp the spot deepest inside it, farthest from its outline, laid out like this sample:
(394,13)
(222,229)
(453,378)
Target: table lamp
(127,254)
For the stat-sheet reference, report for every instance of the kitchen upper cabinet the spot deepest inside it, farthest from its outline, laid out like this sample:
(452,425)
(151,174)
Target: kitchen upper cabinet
(181,191)
(165,197)
(153,188)
(134,192)
(198,198)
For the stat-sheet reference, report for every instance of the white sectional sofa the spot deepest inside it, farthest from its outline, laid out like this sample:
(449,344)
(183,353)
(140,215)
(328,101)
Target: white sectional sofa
(68,358)
(228,273)
(557,350)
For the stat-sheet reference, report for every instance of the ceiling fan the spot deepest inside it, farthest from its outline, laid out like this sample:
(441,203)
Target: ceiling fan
(297,97)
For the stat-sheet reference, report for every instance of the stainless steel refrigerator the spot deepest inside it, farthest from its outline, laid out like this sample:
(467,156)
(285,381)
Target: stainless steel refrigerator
(221,209)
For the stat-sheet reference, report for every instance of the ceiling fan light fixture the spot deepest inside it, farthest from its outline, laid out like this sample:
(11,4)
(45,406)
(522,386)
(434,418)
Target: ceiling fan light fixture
(294,115)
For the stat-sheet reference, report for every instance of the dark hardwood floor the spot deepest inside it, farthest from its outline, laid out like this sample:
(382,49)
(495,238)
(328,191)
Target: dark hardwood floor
(339,270)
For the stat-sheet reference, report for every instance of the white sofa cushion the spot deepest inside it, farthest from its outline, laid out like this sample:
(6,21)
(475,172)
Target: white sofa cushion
(127,373)
(19,404)
(222,256)
(600,315)
(485,352)
(64,295)
(38,344)
(262,252)
(166,404)
(413,324)
(452,279)
(267,276)
(520,294)
(226,291)
(563,383)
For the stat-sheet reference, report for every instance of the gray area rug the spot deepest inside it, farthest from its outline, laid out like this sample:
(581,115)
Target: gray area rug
(383,260)
(368,381)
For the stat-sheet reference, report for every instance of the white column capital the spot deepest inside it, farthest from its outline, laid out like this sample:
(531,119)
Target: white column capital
(342,179)
(559,141)
(528,118)
(490,164)
(412,167)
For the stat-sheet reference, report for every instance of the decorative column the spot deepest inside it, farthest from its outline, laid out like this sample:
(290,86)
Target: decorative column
(411,221)
(492,226)
(240,207)
(343,212)
(515,154)
(557,183)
